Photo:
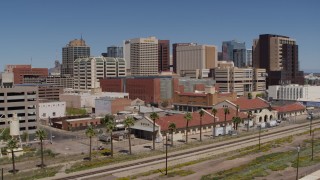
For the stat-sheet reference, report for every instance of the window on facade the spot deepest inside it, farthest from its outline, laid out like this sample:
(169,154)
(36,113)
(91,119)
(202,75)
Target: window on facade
(44,115)
(54,114)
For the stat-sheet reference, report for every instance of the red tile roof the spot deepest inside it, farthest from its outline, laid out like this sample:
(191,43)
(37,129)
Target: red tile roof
(289,108)
(193,94)
(250,104)
(207,119)
(224,94)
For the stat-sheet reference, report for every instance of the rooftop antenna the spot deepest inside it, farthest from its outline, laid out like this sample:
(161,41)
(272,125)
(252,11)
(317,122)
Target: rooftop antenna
(82,44)
(31,62)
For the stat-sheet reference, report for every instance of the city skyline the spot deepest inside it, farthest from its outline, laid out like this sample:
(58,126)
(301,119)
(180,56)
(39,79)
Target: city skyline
(36,31)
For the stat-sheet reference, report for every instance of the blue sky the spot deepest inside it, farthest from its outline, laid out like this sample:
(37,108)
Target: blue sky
(38,29)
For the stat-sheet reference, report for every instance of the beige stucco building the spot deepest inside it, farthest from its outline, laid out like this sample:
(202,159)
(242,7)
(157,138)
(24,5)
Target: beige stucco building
(239,80)
(141,55)
(88,71)
(195,57)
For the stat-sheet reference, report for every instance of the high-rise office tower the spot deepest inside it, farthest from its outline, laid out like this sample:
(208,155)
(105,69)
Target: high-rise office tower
(234,51)
(75,49)
(89,71)
(249,57)
(279,56)
(195,57)
(115,52)
(164,55)
(174,53)
(141,55)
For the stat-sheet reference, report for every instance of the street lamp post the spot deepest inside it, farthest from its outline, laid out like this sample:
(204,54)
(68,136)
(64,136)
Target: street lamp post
(298,149)
(50,126)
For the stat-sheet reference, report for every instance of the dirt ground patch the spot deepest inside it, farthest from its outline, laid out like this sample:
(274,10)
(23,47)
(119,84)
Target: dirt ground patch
(220,164)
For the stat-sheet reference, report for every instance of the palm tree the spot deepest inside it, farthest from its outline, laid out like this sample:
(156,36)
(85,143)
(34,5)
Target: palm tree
(226,111)
(249,118)
(12,144)
(214,112)
(154,116)
(172,127)
(201,113)
(41,134)
(90,133)
(109,123)
(187,117)
(237,110)
(236,121)
(128,122)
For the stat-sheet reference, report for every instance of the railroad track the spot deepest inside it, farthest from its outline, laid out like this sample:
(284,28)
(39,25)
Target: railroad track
(192,151)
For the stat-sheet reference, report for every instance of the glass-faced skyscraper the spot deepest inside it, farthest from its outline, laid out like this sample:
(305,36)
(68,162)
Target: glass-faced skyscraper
(115,52)
(234,51)
(75,49)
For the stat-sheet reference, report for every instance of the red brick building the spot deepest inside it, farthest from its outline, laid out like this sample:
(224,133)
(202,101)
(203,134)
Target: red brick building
(112,85)
(20,73)
(147,89)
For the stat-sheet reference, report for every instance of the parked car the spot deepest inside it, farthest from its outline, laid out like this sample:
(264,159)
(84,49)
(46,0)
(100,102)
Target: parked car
(233,132)
(262,125)
(278,121)
(272,123)
(105,138)
(220,130)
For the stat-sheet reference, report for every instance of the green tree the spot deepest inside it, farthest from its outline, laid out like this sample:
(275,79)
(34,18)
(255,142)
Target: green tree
(214,112)
(201,113)
(90,133)
(11,145)
(226,111)
(172,127)
(237,112)
(41,135)
(154,116)
(109,123)
(249,95)
(261,95)
(187,117)
(25,136)
(128,123)
(165,103)
(5,134)
(236,120)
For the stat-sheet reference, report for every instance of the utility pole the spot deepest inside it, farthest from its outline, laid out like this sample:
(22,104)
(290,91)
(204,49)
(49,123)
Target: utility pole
(312,145)
(311,124)
(259,136)
(297,175)
(166,153)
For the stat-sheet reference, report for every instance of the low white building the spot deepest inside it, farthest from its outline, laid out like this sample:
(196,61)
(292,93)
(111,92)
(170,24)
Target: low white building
(293,92)
(52,109)
(259,108)
(86,99)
